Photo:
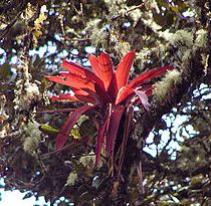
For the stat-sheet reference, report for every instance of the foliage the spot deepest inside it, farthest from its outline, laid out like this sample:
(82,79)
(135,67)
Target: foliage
(109,94)
(167,155)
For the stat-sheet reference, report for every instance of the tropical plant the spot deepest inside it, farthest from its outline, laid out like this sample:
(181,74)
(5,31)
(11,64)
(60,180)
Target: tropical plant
(162,143)
(110,93)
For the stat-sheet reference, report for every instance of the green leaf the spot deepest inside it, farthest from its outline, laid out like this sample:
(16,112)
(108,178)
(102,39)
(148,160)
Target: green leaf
(75,133)
(52,130)
(48,129)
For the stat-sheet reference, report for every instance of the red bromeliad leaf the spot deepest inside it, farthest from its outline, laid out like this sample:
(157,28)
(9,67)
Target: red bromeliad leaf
(148,75)
(102,134)
(143,98)
(123,69)
(68,125)
(99,141)
(65,97)
(127,92)
(127,127)
(103,68)
(86,95)
(75,69)
(95,65)
(106,66)
(78,81)
(123,94)
(78,70)
(116,115)
(147,89)
(73,81)
(110,93)
(104,97)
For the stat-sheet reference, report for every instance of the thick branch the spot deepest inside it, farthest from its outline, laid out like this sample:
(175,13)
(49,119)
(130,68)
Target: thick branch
(191,73)
(192,69)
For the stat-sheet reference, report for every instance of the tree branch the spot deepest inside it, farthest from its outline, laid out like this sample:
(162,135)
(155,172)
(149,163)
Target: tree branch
(192,69)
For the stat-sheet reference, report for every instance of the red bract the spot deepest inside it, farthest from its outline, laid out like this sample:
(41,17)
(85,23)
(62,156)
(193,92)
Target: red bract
(106,90)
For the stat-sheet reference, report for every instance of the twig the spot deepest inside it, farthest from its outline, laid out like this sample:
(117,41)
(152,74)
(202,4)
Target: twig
(140,174)
(57,110)
(6,30)
(47,155)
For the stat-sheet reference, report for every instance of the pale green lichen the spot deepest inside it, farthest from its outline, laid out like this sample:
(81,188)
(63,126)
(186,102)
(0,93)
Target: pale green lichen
(185,56)
(25,93)
(88,160)
(111,2)
(123,48)
(181,39)
(146,17)
(143,54)
(73,176)
(162,87)
(135,15)
(185,45)
(201,42)
(166,34)
(3,114)
(96,32)
(82,119)
(116,7)
(150,23)
(30,145)
(152,4)
(72,31)
(32,137)
(75,132)
(92,24)
(28,13)
(32,89)
(202,38)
